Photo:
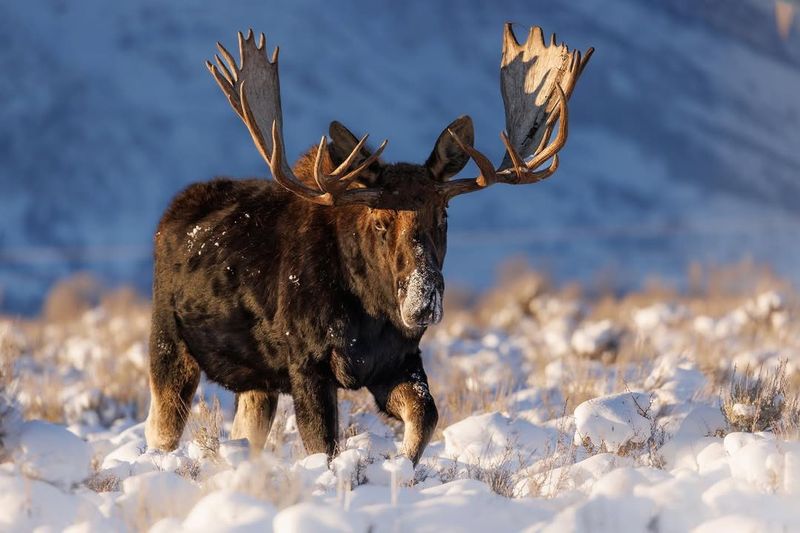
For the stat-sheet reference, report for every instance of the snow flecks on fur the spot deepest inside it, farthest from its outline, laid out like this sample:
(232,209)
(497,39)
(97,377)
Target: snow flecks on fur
(193,235)
(420,387)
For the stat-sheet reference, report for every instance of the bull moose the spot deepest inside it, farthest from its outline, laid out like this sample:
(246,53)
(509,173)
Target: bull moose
(328,276)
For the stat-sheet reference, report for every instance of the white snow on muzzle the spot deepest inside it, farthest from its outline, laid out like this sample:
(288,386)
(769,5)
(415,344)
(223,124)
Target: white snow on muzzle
(422,304)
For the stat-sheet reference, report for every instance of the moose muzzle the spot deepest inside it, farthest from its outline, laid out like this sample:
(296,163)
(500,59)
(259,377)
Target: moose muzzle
(421,297)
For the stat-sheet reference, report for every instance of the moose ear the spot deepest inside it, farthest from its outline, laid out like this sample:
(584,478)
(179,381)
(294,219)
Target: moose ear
(447,158)
(343,143)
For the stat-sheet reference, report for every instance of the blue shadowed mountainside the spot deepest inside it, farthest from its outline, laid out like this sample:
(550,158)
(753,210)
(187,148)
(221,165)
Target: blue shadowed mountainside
(684,131)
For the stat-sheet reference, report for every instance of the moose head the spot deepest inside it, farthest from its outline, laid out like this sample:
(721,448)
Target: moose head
(396,213)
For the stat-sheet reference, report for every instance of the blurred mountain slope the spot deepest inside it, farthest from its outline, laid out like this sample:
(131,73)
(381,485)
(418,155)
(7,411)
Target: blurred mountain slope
(684,138)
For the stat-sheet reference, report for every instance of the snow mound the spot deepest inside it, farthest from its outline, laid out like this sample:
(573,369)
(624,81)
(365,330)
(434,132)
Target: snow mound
(763,462)
(28,504)
(390,472)
(674,380)
(613,422)
(488,437)
(157,494)
(317,518)
(606,513)
(226,510)
(52,453)
(595,338)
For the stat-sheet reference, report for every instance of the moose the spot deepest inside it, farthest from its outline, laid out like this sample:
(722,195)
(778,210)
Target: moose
(328,276)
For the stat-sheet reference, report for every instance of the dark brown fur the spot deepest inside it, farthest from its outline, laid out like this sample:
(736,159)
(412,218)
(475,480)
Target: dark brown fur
(269,293)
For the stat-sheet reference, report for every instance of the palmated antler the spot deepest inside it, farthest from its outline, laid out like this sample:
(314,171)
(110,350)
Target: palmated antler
(536,80)
(253,90)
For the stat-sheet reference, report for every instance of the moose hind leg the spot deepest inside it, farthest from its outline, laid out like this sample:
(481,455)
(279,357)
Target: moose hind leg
(174,376)
(409,399)
(255,411)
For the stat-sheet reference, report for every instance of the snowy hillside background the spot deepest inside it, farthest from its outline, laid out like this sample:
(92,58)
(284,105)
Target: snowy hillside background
(684,139)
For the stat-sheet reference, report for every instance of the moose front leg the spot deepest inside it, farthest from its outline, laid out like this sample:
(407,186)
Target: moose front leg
(408,398)
(315,410)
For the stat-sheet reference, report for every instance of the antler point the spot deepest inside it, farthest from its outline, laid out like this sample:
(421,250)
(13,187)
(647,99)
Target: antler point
(535,37)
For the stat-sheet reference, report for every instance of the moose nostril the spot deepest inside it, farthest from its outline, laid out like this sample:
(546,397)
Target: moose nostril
(401,289)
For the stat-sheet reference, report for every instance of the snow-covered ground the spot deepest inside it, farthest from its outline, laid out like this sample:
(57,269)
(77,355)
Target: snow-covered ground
(558,413)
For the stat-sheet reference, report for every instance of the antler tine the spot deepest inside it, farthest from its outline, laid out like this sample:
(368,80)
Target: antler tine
(275,160)
(353,153)
(517,164)
(338,181)
(255,132)
(522,171)
(365,164)
(534,177)
(253,89)
(487,172)
(228,57)
(561,139)
(368,161)
(287,179)
(547,134)
(319,175)
(228,75)
(585,60)
(227,88)
(537,80)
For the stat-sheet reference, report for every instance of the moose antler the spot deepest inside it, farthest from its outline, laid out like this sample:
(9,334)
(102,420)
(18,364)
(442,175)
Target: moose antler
(256,81)
(536,80)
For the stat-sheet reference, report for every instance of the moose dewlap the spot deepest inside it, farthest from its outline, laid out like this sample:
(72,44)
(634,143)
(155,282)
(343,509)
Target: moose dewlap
(328,276)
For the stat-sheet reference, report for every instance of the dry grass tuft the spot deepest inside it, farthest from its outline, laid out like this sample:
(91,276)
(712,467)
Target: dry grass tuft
(550,475)
(205,425)
(499,474)
(189,470)
(101,482)
(762,402)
